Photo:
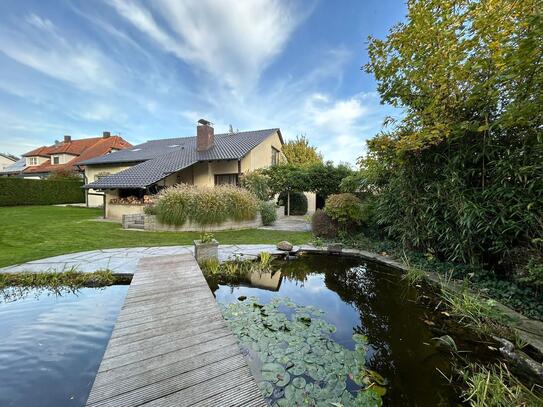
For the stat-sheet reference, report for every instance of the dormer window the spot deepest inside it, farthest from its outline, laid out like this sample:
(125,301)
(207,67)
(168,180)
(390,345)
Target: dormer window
(32,160)
(56,159)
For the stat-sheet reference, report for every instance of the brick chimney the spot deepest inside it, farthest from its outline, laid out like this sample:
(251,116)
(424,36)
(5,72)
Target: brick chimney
(67,139)
(205,137)
(106,134)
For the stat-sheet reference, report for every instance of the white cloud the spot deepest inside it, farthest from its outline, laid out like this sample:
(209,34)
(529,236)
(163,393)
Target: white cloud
(39,45)
(232,41)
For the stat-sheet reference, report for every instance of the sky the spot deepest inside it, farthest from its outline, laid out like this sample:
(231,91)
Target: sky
(151,69)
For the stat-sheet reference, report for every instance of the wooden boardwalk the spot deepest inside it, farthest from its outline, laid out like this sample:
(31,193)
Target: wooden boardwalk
(170,345)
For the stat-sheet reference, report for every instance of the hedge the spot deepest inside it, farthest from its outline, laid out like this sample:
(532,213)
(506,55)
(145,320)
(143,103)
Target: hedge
(20,191)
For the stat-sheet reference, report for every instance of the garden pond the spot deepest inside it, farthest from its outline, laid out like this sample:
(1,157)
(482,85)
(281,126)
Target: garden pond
(336,331)
(51,345)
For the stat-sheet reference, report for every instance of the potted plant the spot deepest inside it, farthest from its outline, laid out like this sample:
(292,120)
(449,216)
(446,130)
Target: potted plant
(206,247)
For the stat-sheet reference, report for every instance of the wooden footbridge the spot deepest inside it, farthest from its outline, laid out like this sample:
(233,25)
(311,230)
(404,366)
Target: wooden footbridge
(170,345)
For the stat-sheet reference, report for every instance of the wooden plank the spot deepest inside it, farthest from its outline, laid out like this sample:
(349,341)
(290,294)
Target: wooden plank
(170,345)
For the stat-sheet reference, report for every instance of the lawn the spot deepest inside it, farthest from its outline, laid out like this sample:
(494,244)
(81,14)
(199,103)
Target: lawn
(34,232)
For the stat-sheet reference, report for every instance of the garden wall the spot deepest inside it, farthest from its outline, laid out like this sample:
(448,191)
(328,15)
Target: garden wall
(148,222)
(117,211)
(20,191)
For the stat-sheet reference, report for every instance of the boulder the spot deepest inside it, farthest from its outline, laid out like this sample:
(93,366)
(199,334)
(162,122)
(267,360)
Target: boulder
(285,246)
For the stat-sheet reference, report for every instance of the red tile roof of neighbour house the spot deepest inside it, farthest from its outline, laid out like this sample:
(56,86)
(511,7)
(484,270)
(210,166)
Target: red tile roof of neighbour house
(83,149)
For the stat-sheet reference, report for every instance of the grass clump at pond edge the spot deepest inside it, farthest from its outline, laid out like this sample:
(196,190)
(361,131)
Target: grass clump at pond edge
(495,386)
(15,286)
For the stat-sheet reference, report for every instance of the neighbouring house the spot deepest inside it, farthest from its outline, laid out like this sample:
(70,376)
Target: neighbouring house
(68,154)
(204,160)
(7,160)
(14,169)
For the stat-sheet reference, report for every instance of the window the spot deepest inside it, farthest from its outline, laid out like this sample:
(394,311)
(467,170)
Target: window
(275,156)
(56,159)
(33,161)
(226,179)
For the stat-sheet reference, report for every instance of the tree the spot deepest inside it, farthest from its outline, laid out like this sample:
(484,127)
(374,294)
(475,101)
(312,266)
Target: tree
(461,172)
(299,152)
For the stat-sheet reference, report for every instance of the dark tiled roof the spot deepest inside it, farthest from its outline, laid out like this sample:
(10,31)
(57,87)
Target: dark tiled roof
(163,157)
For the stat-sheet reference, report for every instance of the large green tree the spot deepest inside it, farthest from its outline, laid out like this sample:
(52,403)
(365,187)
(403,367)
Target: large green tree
(300,152)
(461,171)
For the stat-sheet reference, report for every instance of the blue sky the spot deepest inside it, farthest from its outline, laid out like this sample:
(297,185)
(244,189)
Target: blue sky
(151,69)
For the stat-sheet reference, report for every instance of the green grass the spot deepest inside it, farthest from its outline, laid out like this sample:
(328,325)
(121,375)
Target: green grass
(34,232)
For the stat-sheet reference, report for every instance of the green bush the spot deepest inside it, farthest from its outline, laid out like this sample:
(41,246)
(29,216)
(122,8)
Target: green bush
(258,183)
(323,226)
(268,213)
(203,205)
(346,209)
(298,203)
(19,191)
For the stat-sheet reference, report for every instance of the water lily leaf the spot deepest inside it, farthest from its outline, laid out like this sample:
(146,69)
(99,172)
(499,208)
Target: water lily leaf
(298,382)
(266,388)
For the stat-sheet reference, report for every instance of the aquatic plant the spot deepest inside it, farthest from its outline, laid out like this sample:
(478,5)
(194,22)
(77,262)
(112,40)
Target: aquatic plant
(210,266)
(294,359)
(496,386)
(17,285)
(265,259)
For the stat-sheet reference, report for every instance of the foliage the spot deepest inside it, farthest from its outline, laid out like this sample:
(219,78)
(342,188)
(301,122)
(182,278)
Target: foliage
(345,209)
(35,232)
(315,369)
(495,386)
(323,179)
(265,260)
(268,213)
(19,191)
(205,206)
(300,152)
(207,238)
(258,183)
(14,286)
(460,174)
(149,209)
(532,273)
(323,226)
(298,202)
(64,175)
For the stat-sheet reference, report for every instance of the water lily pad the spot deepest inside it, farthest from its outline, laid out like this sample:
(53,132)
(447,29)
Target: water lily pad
(298,382)
(266,388)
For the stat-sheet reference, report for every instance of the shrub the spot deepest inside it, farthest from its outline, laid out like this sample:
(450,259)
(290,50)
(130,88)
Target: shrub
(258,184)
(268,213)
(346,209)
(323,226)
(19,191)
(203,205)
(298,203)
(64,175)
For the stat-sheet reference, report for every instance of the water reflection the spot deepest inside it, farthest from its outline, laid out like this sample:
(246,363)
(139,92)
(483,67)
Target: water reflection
(365,299)
(51,345)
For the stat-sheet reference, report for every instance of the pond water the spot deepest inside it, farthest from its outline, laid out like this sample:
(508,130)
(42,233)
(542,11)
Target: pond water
(51,346)
(355,298)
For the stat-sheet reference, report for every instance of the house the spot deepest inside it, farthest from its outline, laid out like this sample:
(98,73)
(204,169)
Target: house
(68,155)
(203,160)
(6,160)
(14,169)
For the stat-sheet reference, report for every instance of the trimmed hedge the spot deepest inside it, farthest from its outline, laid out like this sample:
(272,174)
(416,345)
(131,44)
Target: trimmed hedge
(20,191)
